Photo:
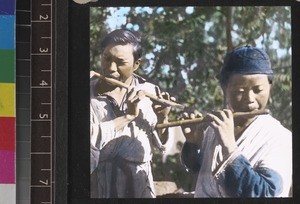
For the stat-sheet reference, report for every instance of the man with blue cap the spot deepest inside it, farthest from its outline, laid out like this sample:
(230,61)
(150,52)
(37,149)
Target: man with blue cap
(247,156)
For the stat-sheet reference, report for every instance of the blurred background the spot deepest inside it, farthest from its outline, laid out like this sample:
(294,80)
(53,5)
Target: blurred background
(183,51)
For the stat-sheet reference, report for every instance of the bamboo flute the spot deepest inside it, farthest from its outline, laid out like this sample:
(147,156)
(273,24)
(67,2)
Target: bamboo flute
(149,95)
(202,119)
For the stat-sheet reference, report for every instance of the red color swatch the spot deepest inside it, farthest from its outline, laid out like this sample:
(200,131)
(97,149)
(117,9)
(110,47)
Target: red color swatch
(7,133)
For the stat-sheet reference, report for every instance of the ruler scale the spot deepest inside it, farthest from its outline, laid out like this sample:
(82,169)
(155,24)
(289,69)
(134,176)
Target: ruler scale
(41,102)
(35,61)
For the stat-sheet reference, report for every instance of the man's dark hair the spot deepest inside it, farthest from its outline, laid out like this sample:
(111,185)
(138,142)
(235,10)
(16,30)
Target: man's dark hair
(123,37)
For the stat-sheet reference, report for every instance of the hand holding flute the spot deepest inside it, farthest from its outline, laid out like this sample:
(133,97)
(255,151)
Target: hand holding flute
(228,126)
(162,103)
(149,95)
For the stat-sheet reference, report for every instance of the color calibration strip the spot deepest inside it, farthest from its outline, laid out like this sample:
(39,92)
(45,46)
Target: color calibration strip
(7,103)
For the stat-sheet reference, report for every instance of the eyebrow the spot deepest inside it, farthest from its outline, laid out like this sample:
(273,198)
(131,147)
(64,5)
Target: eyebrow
(115,57)
(243,86)
(120,59)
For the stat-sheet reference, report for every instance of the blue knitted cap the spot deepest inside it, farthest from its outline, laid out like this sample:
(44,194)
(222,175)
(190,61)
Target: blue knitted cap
(245,60)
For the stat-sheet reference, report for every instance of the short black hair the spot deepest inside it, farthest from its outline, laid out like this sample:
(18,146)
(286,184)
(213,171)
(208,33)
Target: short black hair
(123,37)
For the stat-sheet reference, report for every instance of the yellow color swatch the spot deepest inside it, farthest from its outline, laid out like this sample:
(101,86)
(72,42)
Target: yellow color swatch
(7,100)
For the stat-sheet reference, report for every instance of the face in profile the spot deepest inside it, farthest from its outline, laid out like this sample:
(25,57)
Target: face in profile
(247,92)
(118,62)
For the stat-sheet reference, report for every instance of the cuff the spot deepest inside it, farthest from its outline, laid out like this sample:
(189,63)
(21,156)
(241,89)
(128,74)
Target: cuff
(232,156)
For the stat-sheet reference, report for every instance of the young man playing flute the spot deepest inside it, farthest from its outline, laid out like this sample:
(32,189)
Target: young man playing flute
(122,122)
(247,156)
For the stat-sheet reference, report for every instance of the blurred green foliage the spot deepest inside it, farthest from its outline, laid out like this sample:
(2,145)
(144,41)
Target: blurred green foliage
(184,49)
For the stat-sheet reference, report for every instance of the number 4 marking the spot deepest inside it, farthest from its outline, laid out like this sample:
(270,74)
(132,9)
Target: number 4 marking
(43,83)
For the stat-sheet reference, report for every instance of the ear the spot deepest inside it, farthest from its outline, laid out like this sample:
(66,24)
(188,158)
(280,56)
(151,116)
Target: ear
(137,63)
(270,90)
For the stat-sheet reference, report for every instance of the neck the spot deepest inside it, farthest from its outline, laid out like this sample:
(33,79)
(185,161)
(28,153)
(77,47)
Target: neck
(117,93)
(128,81)
(243,122)
(103,87)
(240,125)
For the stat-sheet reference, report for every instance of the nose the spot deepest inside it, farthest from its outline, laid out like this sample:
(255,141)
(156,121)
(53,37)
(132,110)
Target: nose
(111,67)
(250,96)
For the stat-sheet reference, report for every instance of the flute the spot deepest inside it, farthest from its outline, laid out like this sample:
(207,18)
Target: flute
(149,95)
(202,119)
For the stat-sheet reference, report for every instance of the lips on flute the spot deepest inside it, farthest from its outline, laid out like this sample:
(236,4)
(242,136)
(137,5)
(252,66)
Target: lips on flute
(202,119)
(149,95)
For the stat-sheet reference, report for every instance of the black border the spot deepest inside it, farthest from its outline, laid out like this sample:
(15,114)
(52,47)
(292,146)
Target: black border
(296,97)
(77,146)
(60,96)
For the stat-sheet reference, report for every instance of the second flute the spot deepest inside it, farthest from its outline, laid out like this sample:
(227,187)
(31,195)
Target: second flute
(201,119)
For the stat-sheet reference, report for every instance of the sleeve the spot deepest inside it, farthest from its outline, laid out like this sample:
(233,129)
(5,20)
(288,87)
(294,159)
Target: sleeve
(94,127)
(270,177)
(106,129)
(191,154)
(244,181)
(94,158)
(191,157)
(94,134)
(100,132)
